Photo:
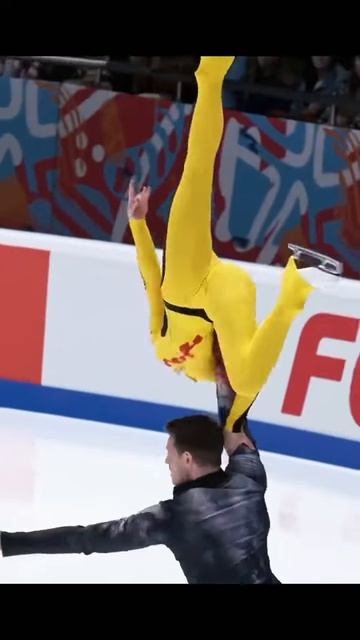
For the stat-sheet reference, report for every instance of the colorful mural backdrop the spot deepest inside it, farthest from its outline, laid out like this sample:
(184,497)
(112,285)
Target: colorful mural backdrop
(67,152)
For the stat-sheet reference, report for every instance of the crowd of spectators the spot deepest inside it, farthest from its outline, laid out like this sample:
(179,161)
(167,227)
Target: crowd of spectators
(251,81)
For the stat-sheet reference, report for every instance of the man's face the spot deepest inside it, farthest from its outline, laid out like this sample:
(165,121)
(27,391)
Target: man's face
(179,463)
(321,62)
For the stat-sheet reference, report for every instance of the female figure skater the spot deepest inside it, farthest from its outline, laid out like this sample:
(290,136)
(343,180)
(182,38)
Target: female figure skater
(203,310)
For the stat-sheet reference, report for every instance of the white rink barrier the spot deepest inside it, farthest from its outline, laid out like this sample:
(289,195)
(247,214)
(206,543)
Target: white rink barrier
(75,342)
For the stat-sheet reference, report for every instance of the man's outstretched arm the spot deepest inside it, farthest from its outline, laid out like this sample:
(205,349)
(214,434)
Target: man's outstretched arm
(144,529)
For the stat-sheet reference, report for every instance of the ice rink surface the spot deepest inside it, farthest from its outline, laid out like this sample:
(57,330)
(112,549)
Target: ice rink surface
(57,471)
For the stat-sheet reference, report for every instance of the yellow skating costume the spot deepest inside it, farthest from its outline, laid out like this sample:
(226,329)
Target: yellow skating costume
(199,294)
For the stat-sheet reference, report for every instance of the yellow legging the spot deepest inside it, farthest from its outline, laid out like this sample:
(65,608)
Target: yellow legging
(195,277)
(189,239)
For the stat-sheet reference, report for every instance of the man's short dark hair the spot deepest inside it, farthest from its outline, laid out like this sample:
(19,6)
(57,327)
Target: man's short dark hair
(201,436)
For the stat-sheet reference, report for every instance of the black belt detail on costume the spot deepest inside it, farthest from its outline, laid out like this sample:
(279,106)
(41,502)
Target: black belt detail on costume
(163,263)
(186,311)
(165,326)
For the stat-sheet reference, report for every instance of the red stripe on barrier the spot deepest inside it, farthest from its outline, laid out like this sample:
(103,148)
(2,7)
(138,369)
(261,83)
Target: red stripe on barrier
(23,293)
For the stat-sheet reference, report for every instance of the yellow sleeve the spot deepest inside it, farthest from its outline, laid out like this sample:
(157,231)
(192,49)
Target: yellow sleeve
(249,351)
(150,272)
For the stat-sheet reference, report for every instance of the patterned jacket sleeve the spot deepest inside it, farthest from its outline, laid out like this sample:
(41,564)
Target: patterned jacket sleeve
(144,529)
